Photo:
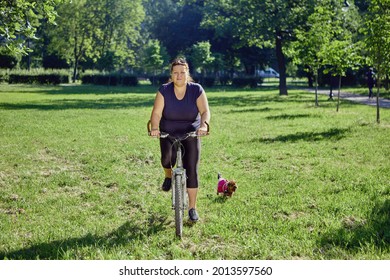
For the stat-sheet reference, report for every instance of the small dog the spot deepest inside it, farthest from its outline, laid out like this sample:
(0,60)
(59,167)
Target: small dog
(226,187)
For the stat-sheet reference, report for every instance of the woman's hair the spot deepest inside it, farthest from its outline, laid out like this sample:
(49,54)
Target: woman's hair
(183,62)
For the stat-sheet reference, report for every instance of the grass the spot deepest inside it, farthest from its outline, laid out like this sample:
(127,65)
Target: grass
(80,179)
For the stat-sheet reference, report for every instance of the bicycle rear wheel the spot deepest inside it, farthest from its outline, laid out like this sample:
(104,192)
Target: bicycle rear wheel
(179,211)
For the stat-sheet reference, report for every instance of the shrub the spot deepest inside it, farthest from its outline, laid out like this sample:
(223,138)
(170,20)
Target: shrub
(38,76)
(105,80)
(224,80)
(128,80)
(109,79)
(87,79)
(246,81)
(42,79)
(4,76)
(205,81)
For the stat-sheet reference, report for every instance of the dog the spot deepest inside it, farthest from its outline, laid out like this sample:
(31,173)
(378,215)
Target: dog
(226,187)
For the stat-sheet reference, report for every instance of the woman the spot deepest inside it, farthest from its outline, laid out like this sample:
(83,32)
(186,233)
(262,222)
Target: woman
(180,107)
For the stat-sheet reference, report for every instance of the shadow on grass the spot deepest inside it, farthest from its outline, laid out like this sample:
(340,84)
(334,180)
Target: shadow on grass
(289,116)
(125,234)
(255,100)
(331,134)
(217,198)
(94,89)
(143,100)
(251,110)
(373,233)
(73,89)
(105,103)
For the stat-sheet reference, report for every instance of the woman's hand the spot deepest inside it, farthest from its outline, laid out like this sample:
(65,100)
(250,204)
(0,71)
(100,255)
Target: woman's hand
(203,130)
(154,132)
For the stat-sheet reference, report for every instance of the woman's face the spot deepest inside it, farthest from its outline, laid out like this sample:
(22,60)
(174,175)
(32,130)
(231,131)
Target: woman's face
(179,75)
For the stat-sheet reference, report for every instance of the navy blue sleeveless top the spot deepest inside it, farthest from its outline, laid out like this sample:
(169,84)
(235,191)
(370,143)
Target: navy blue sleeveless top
(180,116)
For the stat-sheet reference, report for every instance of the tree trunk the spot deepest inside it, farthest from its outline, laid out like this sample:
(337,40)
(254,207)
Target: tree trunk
(378,83)
(310,79)
(282,65)
(76,64)
(338,95)
(316,90)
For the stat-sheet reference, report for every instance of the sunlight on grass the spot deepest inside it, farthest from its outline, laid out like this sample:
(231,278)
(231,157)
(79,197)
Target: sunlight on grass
(80,178)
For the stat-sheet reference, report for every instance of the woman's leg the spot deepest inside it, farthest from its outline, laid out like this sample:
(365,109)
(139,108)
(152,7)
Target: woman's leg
(168,156)
(191,163)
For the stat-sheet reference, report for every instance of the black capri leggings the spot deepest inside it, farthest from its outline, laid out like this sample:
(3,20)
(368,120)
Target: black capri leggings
(191,155)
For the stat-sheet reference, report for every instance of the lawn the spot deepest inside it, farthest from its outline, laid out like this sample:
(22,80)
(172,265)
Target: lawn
(80,178)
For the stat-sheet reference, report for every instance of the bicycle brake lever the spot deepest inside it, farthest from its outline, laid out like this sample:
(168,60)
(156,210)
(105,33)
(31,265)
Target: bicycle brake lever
(164,135)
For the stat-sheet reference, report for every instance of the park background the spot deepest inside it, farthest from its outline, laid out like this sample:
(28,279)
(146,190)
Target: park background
(79,177)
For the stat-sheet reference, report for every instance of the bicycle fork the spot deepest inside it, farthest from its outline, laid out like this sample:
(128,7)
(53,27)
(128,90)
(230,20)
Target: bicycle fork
(179,173)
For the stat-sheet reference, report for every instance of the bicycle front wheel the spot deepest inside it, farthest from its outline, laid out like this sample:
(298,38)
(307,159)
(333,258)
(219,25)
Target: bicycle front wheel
(179,196)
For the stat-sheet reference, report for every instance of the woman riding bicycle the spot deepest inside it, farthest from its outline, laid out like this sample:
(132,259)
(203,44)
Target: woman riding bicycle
(180,107)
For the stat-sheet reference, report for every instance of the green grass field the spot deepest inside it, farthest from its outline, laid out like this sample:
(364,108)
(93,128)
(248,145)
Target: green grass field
(80,178)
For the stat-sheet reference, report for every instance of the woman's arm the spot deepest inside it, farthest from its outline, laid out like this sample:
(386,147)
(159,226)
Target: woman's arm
(204,111)
(156,114)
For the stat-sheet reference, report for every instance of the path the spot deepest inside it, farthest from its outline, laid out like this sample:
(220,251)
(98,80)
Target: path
(383,103)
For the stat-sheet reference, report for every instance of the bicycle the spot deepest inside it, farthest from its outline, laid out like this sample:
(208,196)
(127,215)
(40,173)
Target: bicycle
(179,178)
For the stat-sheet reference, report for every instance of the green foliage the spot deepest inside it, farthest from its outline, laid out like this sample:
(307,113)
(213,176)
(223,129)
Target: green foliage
(19,21)
(206,81)
(312,44)
(243,82)
(201,57)
(159,79)
(43,79)
(154,57)
(109,79)
(260,23)
(37,76)
(377,40)
(101,31)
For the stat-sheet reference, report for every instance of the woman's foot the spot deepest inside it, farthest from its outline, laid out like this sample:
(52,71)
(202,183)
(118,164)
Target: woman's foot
(166,186)
(193,215)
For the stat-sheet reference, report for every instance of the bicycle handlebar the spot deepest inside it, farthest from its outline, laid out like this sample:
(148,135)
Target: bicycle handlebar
(165,135)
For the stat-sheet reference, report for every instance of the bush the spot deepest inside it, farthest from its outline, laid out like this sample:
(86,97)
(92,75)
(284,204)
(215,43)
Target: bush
(105,80)
(38,76)
(159,79)
(246,81)
(205,81)
(4,76)
(87,79)
(224,80)
(109,79)
(7,62)
(43,79)
(128,80)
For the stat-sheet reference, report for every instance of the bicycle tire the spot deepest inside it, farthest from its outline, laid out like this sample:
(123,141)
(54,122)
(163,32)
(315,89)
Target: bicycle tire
(179,205)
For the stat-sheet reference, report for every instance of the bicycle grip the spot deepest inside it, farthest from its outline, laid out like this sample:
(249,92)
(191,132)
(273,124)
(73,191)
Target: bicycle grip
(149,126)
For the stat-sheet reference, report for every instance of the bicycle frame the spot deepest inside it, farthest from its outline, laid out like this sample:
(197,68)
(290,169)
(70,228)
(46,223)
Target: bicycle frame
(179,187)
(179,179)
(179,172)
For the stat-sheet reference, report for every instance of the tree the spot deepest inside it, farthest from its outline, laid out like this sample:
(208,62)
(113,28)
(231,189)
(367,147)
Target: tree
(176,24)
(377,41)
(104,31)
(119,24)
(261,23)
(19,21)
(154,57)
(72,38)
(344,50)
(311,44)
(201,57)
